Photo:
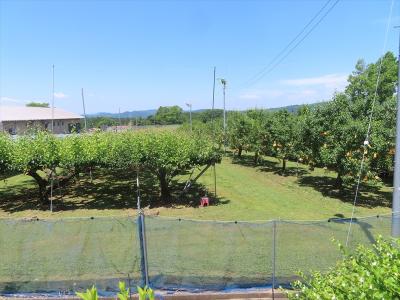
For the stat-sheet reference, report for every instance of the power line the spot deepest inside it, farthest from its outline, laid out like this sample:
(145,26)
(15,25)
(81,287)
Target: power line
(292,41)
(272,65)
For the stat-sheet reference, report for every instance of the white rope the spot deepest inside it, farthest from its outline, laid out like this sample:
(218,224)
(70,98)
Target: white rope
(366,142)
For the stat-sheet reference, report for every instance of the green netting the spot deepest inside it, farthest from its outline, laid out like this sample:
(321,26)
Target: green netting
(72,254)
(198,254)
(306,246)
(67,254)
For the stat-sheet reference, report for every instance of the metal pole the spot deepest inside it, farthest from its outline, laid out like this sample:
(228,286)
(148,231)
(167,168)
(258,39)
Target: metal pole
(396,176)
(223,81)
(215,181)
(273,257)
(119,117)
(52,107)
(142,235)
(138,189)
(190,116)
(213,106)
(51,191)
(143,248)
(84,110)
(52,131)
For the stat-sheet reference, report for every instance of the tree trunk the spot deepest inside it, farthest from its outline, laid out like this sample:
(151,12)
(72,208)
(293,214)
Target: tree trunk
(339,181)
(42,183)
(283,165)
(240,149)
(164,186)
(256,158)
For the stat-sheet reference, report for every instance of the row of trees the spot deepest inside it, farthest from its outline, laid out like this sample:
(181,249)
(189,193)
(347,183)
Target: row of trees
(43,156)
(329,134)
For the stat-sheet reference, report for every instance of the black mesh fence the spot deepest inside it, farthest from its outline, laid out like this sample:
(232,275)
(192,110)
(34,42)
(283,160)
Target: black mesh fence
(72,254)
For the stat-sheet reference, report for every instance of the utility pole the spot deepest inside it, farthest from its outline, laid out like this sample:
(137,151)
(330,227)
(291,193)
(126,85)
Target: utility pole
(52,107)
(396,179)
(119,118)
(84,110)
(213,123)
(52,131)
(223,82)
(190,115)
(213,105)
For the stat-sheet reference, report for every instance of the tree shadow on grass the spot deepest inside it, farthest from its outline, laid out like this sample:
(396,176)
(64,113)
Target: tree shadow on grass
(369,195)
(363,224)
(19,197)
(108,190)
(266,165)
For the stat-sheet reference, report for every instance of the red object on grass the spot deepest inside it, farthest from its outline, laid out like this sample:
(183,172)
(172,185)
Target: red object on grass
(204,201)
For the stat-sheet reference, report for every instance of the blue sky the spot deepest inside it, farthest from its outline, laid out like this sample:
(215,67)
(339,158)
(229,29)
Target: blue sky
(137,55)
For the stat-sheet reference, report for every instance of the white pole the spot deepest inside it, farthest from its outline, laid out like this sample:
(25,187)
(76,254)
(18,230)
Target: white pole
(51,191)
(138,189)
(190,115)
(396,176)
(119,118)
(52,107)
(84,110)
(223,82)
(52,131)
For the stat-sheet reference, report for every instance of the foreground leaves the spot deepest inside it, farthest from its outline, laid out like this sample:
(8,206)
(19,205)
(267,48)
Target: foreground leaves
(369,273)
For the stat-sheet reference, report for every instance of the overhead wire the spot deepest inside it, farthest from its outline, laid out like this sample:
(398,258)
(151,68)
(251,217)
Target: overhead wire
(366,141)
(273,63)
(292,41)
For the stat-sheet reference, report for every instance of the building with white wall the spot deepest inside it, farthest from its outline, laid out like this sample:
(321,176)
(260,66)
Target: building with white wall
(19,119)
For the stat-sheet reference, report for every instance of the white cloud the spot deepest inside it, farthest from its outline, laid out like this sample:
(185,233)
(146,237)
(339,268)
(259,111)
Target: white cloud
(330,81)
(250,96)
(60,95)
(295,91)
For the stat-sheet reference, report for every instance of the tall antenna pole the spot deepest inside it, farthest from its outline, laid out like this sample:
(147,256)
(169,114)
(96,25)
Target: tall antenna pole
(84,110)
(138,189)
(213,105)
(119,118)
(190,115)
(52,106)
(396,179)
(213,123)
(223,82)
(52,131)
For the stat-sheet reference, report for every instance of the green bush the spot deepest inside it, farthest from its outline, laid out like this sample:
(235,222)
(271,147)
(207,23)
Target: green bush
(368,273)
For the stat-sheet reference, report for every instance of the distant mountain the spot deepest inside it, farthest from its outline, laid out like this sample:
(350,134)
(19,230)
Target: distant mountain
(150,112)
(293,108)
(125,114)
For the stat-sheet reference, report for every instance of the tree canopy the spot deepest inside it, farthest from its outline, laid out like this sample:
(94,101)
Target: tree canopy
(329,134)
(164,153)
(37,104)
(167,115)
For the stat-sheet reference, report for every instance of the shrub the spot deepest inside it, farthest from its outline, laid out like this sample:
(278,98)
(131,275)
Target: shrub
(368,273)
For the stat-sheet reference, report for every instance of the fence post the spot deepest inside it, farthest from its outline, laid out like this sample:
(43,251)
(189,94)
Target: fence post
(143,248)
(273,257)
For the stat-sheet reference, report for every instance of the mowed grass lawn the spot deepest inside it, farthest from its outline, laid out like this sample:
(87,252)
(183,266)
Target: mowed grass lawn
(244,192)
